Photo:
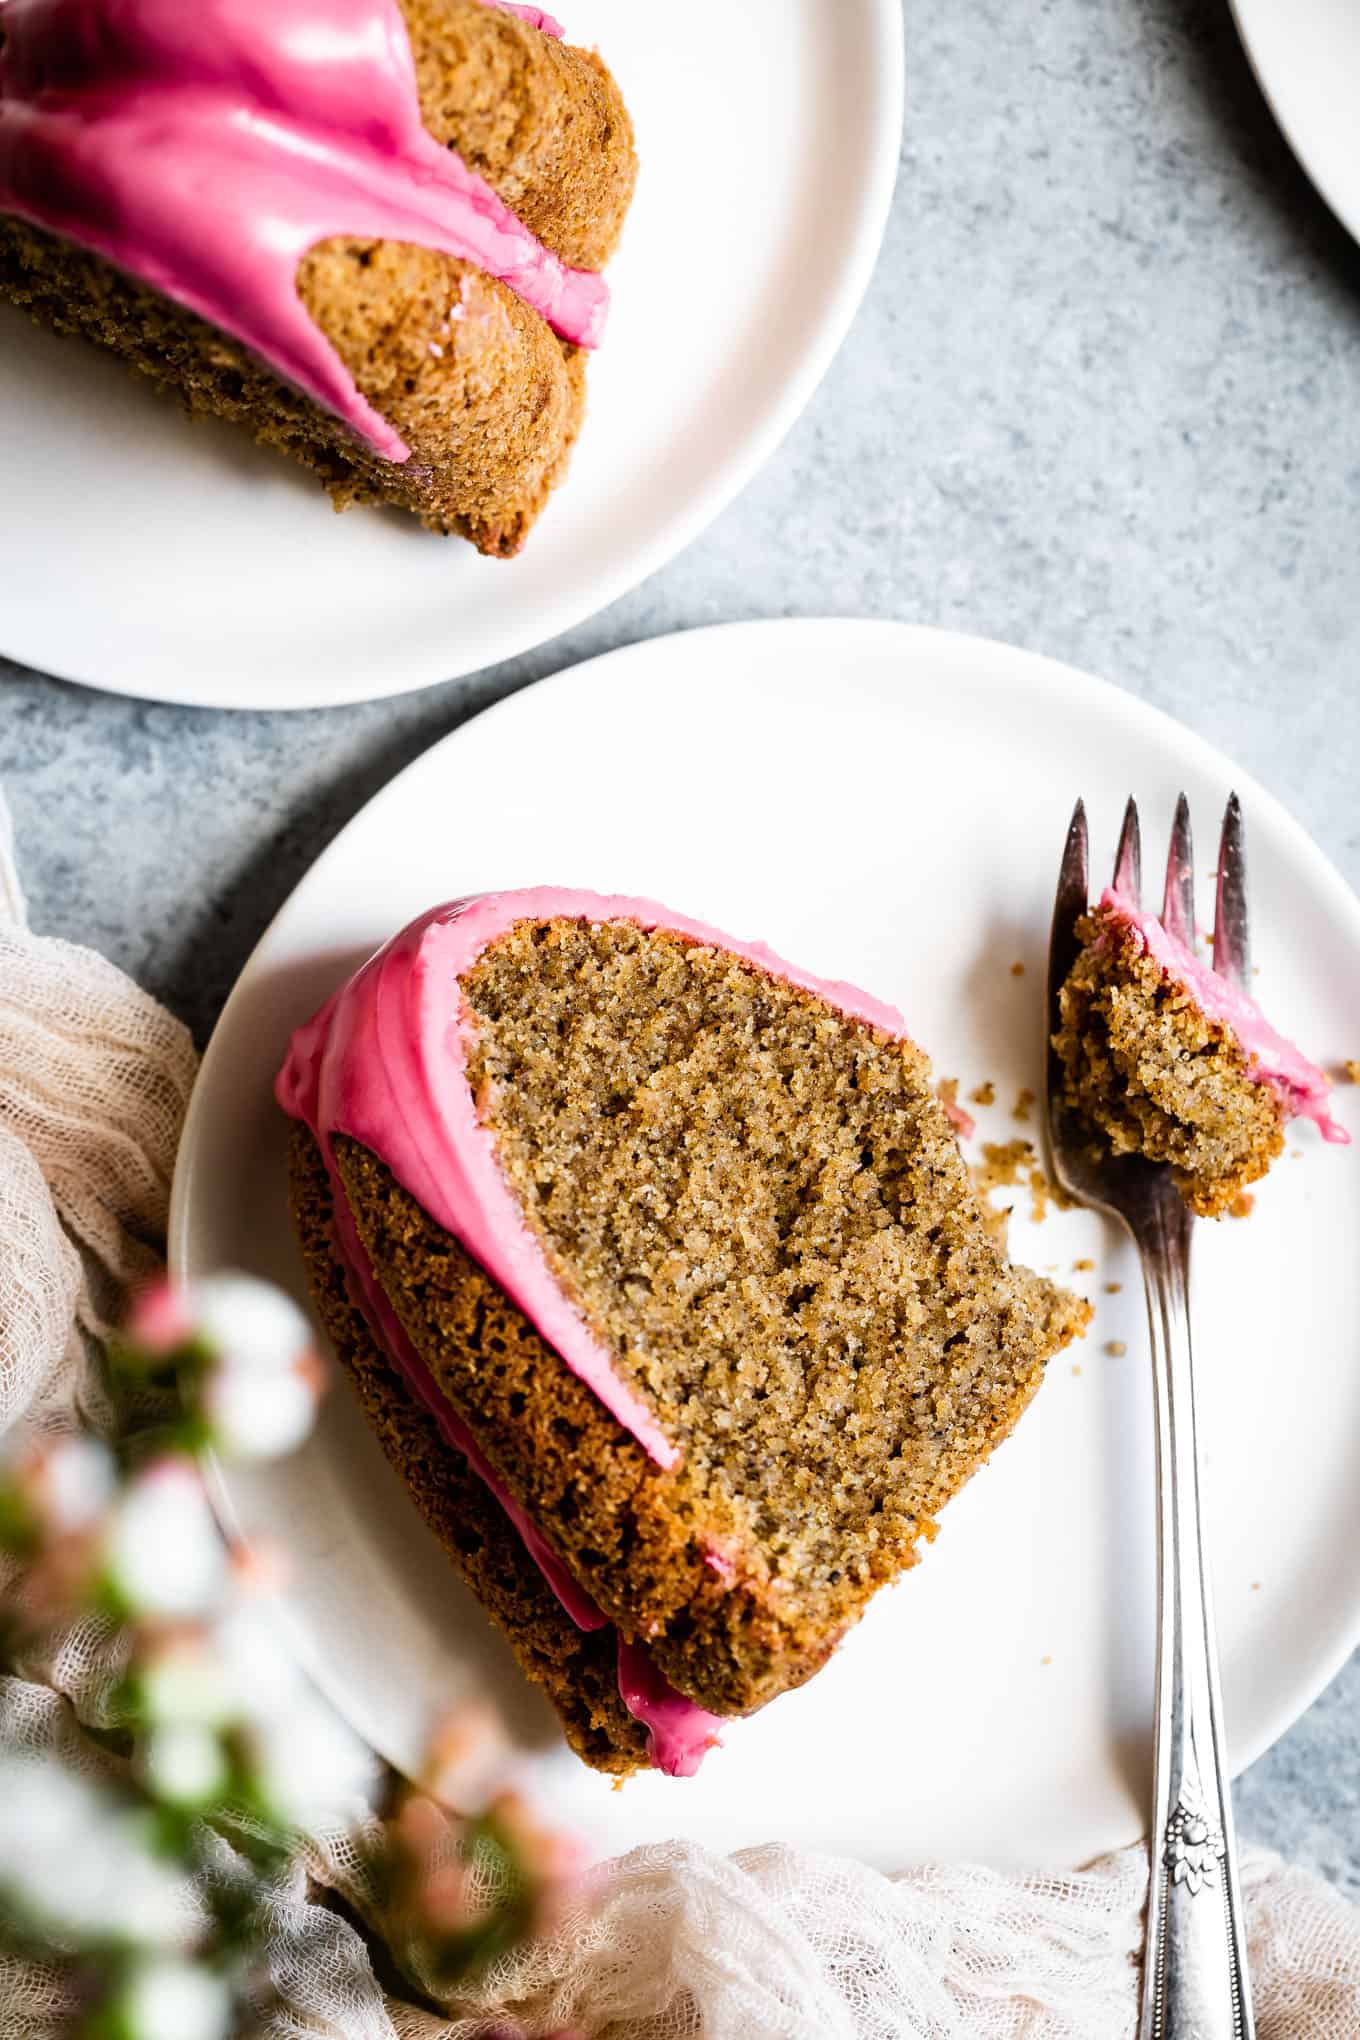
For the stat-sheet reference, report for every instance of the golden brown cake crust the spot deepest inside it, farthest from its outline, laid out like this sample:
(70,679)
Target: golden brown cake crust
(1145,1066)
(487,398)
(578,1672)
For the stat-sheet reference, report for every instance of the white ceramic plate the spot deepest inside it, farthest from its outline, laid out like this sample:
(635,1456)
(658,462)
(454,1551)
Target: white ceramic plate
(886,805)
(146,558)
(1306,56)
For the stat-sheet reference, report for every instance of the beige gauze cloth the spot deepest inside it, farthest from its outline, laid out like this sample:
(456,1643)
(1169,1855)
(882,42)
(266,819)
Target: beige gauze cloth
(667,1942)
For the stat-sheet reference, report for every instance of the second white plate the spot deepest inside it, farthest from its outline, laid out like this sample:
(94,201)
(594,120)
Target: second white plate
(211,572)
(1307,60)
(886,805)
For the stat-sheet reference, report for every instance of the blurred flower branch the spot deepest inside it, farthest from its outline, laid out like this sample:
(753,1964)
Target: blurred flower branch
(121,1881)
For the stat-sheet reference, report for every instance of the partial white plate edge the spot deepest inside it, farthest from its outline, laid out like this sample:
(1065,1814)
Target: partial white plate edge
(858,256)
(1057,678)
(1292,121)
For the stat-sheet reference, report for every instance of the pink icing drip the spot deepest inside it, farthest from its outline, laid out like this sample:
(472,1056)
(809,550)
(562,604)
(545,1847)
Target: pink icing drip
(962,1122)
(719,1561)
(575,1602)
(204,146)
(535,16)
(680,1734)
(1299,1085)
(385,1061)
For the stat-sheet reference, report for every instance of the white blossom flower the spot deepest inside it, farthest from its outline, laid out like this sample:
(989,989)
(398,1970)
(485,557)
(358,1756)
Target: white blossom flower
(261,1394)
(173,2000)
(62,1485)
(76,1864)
(163,1553)
(259,1673)
(74,1483)
(249,1323)
(258,1415)
(184,1763)
(239,1674)
(310,1768)
(182,1679)
(159,1319)
(237,1667)
(469,1754)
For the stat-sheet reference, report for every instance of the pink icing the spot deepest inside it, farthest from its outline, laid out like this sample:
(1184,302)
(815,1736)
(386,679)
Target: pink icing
(535,16)
(1299,1085)
(962,1122)
(721,1562)
(679,1732)
(385,1061)
(575,1602)
(204,146)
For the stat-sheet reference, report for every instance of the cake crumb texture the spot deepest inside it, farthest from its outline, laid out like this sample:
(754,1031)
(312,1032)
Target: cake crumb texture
(541,120)
(1153,1075)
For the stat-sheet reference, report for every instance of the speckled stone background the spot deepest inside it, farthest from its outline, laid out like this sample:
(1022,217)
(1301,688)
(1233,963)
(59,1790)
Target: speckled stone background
(1103,400)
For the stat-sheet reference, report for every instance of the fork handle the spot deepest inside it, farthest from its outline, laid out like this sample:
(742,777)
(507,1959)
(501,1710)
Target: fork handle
(1195,1981)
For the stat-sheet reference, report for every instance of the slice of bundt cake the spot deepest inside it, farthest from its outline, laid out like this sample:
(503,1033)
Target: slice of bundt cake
(368,230)
(674,1244)
(1166,1059)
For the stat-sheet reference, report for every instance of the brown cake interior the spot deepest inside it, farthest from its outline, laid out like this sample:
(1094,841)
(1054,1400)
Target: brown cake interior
(763,1212)
(1156,1076)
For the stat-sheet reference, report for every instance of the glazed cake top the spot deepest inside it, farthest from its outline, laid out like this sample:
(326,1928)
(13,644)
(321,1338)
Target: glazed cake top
(205,148)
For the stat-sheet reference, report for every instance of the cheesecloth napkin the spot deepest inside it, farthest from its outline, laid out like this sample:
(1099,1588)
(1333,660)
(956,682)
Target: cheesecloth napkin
(94,1079)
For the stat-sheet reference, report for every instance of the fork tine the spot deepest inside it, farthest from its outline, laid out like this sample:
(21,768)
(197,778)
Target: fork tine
(1068,906)
(1232,943)
(1178,901)
(1128,862)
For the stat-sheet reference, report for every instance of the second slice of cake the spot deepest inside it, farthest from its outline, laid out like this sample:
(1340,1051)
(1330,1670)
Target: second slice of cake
(1165,1059)
(681,1241)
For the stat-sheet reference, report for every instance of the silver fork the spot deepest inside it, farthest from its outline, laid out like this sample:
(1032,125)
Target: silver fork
(1195,1982)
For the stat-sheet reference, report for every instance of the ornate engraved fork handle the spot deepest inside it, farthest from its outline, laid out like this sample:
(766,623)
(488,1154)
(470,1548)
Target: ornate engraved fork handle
(1195,1984)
